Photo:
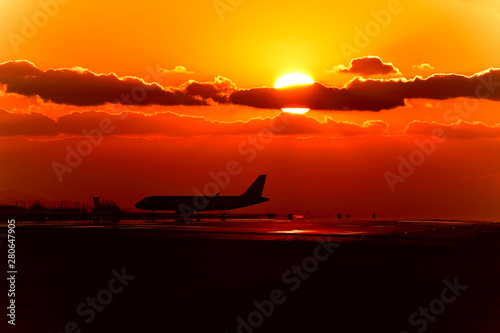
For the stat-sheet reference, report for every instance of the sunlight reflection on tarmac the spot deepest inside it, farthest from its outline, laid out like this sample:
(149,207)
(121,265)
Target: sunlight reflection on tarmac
(300,229)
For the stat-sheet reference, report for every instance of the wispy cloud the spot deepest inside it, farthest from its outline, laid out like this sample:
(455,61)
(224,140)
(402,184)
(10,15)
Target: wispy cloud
(423,67)
(177,70)
(460,130)
(174,125)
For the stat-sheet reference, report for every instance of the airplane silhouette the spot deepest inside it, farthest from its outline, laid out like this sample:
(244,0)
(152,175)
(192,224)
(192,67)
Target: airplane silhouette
(187,205)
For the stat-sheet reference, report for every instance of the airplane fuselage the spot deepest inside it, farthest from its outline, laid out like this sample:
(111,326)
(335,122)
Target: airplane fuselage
(197,203)
(190,204)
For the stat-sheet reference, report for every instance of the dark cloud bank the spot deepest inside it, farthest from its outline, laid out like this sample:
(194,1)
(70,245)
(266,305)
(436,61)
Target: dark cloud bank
(79,87)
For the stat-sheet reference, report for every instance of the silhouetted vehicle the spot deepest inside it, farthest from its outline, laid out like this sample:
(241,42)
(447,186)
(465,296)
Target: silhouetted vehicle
(188,205)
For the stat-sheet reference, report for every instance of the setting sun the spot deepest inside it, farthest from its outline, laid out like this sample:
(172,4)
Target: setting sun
(293,79)
(290,80)
(295,110)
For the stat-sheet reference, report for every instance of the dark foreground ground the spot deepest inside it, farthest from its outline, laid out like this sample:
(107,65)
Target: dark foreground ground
(200,284)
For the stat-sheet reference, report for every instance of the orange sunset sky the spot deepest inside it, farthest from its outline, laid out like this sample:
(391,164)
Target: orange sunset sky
(127,99)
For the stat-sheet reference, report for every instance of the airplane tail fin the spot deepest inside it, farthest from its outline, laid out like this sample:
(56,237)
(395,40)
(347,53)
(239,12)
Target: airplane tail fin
(255,190)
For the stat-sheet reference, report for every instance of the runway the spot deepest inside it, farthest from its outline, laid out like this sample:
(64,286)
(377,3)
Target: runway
(297,229)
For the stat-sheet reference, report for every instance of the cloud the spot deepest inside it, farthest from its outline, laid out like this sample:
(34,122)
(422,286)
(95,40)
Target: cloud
(316,96)
(373,94)
(370,65)
(26,124)
(218,90)
(174,125)
(460,130)
(177,70)
(423,67)
(81,87)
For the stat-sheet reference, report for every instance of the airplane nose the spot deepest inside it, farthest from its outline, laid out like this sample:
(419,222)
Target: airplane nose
(138,205)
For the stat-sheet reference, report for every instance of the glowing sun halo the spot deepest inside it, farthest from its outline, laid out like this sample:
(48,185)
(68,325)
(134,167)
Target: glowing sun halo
(293,79)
